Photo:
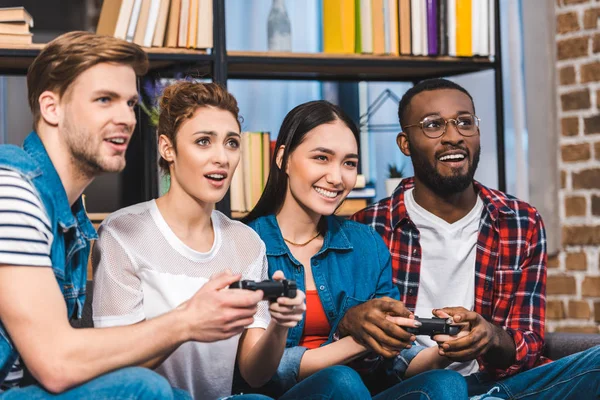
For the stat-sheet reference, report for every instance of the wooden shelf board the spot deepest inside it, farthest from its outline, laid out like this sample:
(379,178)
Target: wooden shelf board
(97,217)
(323,66)
(238,214)
(15,59)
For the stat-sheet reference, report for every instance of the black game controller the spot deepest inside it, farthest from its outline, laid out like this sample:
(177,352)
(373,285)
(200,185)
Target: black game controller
(271,289)
(434,326)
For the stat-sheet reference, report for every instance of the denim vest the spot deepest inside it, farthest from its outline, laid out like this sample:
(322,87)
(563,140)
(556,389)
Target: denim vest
(71,228)
(353,266)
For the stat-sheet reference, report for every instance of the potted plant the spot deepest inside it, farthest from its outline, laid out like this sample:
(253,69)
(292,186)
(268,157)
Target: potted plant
(395,175)
(152,90)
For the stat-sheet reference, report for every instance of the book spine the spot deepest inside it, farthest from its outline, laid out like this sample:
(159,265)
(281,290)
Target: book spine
(442,27)
(432,29)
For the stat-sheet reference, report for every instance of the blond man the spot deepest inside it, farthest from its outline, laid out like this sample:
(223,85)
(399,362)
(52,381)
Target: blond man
(82,93)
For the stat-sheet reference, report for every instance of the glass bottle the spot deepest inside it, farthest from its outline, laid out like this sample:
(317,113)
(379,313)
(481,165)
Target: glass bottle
(279,31)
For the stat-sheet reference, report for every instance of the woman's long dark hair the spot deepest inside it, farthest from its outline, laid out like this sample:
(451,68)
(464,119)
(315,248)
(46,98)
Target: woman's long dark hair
(297,123)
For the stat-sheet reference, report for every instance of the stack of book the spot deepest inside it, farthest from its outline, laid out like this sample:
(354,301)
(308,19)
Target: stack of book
(159,23)
(460,28)
(14,26)
(251,175)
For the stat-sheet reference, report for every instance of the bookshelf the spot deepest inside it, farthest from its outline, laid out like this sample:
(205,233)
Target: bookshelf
(347,67)
(221,65)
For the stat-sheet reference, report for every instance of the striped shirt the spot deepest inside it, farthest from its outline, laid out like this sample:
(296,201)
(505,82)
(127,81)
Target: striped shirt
(25,236)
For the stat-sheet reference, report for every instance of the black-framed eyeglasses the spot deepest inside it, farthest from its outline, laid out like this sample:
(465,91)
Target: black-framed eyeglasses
(434,126)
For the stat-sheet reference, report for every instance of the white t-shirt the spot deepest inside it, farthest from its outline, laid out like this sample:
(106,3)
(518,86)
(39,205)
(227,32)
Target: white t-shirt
(142,270)
(25,236)
(447,277)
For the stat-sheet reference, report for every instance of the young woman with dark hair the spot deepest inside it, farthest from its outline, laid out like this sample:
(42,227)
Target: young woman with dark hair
(338,263)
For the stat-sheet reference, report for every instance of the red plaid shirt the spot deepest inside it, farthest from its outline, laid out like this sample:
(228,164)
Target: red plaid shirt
(510,266)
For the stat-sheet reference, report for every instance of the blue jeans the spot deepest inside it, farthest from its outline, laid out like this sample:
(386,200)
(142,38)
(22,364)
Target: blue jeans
(342,382)
(574,377)
(436,384)
(128,383)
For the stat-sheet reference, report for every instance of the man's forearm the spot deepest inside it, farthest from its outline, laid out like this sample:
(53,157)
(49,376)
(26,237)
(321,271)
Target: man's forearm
(502,352)
(83,354)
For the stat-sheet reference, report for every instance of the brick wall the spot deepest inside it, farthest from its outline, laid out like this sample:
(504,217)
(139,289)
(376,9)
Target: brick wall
(574,275)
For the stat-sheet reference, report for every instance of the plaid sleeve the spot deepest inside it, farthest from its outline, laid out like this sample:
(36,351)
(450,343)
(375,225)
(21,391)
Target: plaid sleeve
(524,293)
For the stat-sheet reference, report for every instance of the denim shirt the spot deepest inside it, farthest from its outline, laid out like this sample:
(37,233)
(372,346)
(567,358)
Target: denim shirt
(353,266)
(71,228)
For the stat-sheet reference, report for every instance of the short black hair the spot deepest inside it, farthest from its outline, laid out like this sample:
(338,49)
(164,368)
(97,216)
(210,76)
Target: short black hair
(423,86)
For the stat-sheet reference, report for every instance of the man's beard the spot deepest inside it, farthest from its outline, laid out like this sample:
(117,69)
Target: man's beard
(85,153)
(439,184)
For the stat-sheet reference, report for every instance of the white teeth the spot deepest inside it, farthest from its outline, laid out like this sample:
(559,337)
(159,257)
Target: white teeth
(326,193)
(452,157)
(117,140)
(216,176)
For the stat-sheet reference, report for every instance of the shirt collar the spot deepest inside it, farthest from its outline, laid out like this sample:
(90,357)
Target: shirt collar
(67,216)
(335,237)
(493,202)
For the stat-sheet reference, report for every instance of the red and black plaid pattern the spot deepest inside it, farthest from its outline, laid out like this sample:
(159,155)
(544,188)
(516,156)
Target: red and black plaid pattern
(510,266)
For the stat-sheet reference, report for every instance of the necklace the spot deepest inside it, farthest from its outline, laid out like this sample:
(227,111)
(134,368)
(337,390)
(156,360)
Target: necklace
(305,243)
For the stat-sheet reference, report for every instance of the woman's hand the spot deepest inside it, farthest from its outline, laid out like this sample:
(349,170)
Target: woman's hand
(287,312)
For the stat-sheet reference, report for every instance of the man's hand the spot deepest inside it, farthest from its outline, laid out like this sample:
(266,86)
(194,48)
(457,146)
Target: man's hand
(368,325)
(216,313)
(475,339)
(287,312)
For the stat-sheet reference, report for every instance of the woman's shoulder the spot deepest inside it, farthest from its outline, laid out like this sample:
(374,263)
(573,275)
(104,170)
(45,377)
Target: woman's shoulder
(357,233)
(240,230)
(261,225)
(352,227)
(128,217)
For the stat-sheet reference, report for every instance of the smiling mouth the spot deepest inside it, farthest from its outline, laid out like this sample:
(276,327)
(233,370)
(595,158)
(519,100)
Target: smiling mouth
(452,157)
(216,177)
(327,193)
(118,141)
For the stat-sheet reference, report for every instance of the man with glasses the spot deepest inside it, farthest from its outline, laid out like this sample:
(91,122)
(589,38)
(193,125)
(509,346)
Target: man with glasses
(463,251)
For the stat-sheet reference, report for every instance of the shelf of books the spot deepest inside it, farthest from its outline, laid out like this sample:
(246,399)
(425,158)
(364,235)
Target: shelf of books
(363,40)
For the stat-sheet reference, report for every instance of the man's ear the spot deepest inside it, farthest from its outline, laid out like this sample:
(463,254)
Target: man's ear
(402,142)
(50,107)
(166,149)
(279,156)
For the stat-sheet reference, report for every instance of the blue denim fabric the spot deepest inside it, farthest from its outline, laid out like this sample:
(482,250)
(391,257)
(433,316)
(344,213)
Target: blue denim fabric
(129,383)
(439,384)
(337,382)
(401,361)
(353,266)
(341,382)
(71,228)
(574,377)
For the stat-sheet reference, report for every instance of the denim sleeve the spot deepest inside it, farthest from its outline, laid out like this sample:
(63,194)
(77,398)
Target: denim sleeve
(288,370)
(401,361)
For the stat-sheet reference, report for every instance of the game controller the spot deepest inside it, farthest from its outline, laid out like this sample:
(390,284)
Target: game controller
(271,289)
(434,326)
